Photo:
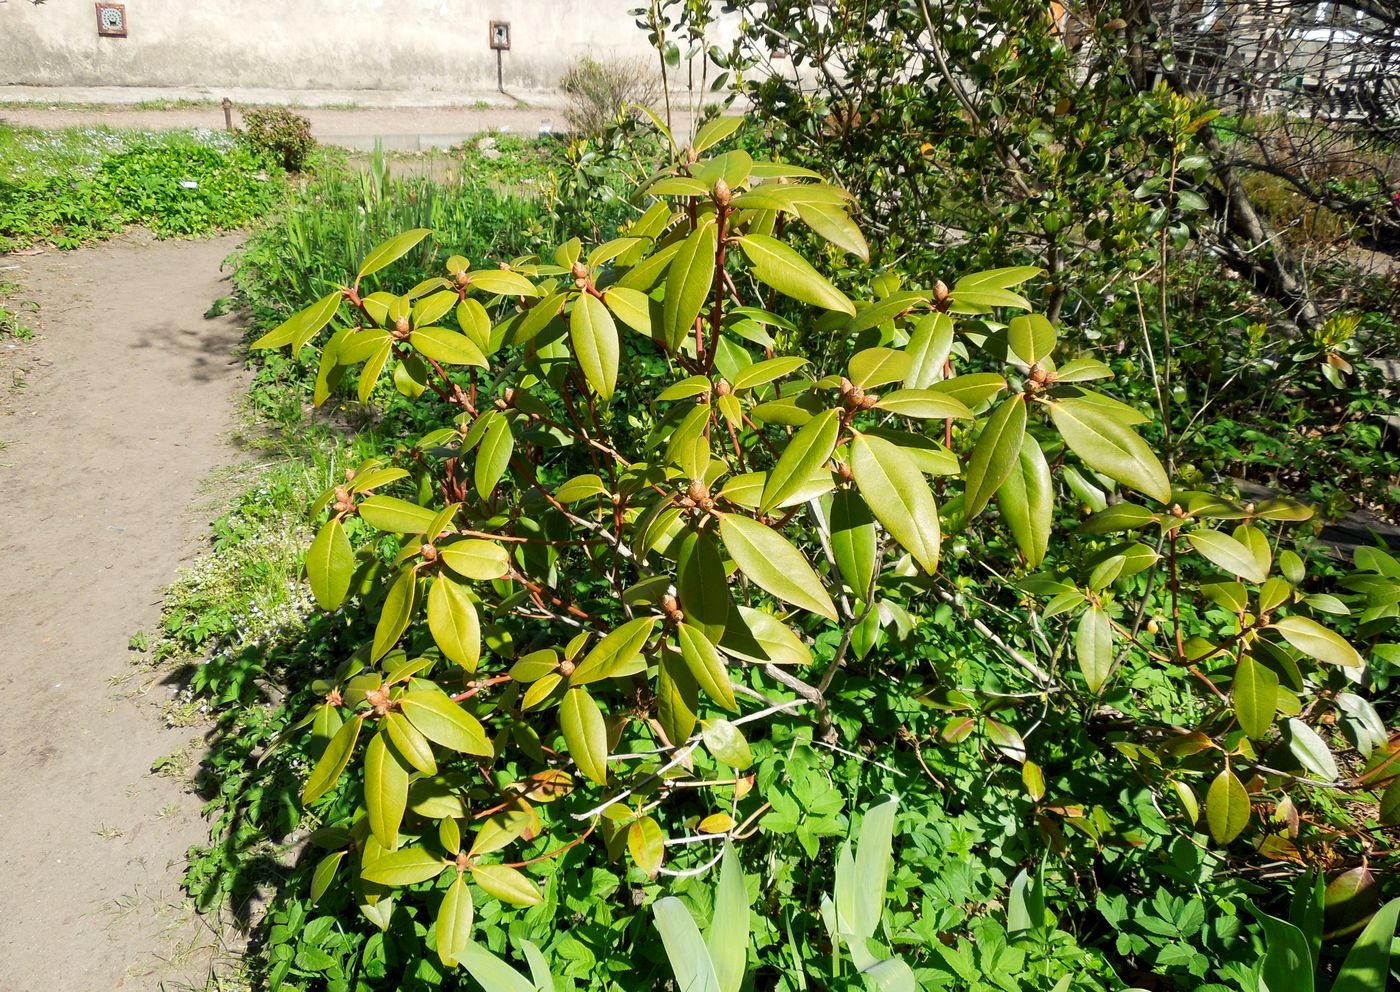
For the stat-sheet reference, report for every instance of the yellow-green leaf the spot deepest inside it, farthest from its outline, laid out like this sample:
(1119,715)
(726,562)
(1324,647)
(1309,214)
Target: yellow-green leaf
(1027,502)
(899,496)
(771,562)
(330,561)
(453,623)
(443,722)
(995,455)
(391,250)
(454,922)
(778,266)
(1316,641)
(1254,694)
(333,761)
(448,347)
(689,281)
(585,734)
(1227,807)
(386,789)
(507,885)
(1109,447)
(493,457)
(615,653)
(647,845)
(396,516)
(474,558)
(806,452)
(396,614)
(706,666)
(1093,647)
(594,337)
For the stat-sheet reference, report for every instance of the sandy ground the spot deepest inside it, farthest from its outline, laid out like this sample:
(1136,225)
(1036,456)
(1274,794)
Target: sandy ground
(110,418)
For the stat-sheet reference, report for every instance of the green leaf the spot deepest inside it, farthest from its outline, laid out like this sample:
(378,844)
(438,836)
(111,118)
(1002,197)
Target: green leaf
(807,451)
(454,922)
(1254,695)
(390,251)
(476,559)
(329,564)
(1027,502)
(702,584)
(493,974)
(727,939)
(685,949)
(502,282)
(689,281)
(1228,553)
(995,455)
(386,789)
(1108,447)
(412,745)
(999,278)
(446,346)
(774,565)
(878,366)
(395,615)
(1316,641)
(1227,807)
(756,636)
(443,722)
(853,541)
(898,495)
(726,742)
(631,307)
(647,845)
(923,404)
(537,318)
(333,761)
(596,346)
(1311,751)
(1093,647)
(614,653)
(706,667)
(836,226)
(714,132)
(1367,966)
(585,734)
(453,623)
(493,457)
(507,885)
(324,874)
(677,696)
(766,371)
(874,849)
(778,266)
(395,516)
(373,369)
(406,867)
(1031,337)
(929,346)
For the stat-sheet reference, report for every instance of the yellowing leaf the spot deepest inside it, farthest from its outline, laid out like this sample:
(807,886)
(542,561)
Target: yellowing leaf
(507,885)
(1227,807)
(453,623)
(647,845)
(585,734)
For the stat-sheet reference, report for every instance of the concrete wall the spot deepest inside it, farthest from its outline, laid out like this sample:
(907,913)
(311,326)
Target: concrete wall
(427,45)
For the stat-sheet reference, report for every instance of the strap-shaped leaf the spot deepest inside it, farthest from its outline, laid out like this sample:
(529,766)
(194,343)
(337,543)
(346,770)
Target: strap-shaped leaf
(807,451)
(688,283)
(728,936)
(1367,965)
(766,371)
(411,744)
(778,266)
(999,278)
(373,369)
(397,516)
(929,346)
(1254,694)
(324,874)
(493,458)
(756,636)
(853,541)
(453,623)
(614,653)
(923,404)
(492,973)
(771,562)
(391,251)
(585,734)
(1027,502)
(596,346)
(995,455)
(330,561)
(685,949)
(898,495)
(406,867)
(1227,807)
(715,131)
(1093,647)
(454,922)
(836,226)
(386,789)
(1228,553)
(1316,641)
(706,666)
(332,763)
(443,722)
(1107,446)
(396,613)
(677,696)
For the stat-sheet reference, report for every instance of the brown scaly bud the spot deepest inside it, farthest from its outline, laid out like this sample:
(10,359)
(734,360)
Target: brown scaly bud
(1177,511)
(464,861)
(940,294)
(461,280)
(580,273)
(400,331)
(334,698)
(672,608)
(868,401)
(722,194)
(349,475)
(429,553)
(566,668)
(343,501)
(503,266)
(723,388)
(691,155)
(379,700)
(1249,508)
(508,396)
(697,490)
(844,470)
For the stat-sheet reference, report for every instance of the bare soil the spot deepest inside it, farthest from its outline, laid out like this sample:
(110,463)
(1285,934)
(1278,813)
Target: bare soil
(110,419)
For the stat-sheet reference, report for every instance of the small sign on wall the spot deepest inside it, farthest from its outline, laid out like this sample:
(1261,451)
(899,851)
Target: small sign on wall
(111,20)
(500,35)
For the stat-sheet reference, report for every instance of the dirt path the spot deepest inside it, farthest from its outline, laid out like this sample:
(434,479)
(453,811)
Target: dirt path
(110,419)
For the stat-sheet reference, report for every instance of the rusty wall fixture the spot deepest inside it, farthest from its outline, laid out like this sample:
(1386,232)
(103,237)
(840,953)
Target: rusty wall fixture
(111,20)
